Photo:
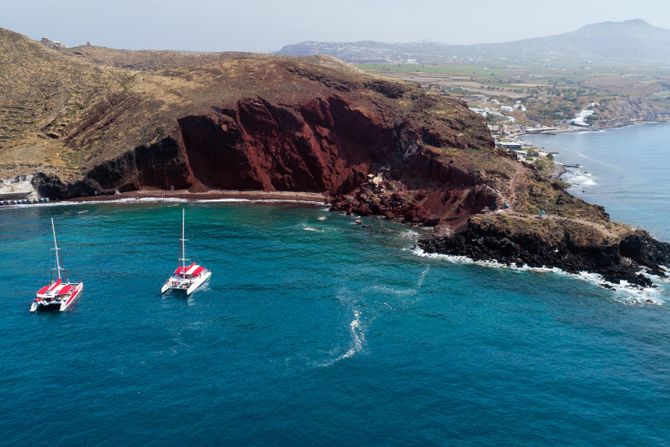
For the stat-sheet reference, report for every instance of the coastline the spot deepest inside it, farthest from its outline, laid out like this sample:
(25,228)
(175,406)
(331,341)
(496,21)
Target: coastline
(631,260)
(623,292)
(154,195)
(577,129)
(563,169)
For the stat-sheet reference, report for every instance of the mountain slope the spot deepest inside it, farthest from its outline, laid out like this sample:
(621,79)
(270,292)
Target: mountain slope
(42,93)
(202,121)
(628,42)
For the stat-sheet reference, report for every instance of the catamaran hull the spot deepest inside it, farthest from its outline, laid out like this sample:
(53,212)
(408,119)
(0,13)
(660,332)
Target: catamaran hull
(61,306)
(78,291)
(197,283)
(52,307)
(189,289)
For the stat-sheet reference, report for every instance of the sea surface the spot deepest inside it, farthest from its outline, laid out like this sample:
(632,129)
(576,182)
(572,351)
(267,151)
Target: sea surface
(626,170)
(316,331)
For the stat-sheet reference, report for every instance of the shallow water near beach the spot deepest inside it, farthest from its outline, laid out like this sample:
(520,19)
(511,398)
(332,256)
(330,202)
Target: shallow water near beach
(314,332)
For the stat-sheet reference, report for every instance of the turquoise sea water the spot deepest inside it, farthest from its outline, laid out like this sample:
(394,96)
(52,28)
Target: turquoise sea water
(318,332)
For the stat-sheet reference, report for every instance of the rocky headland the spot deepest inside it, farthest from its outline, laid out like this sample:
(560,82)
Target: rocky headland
(90,121)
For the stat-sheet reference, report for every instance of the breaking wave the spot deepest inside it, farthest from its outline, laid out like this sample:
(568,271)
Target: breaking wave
(301,202)
(623,292)
(131,200)
(410,234)
(578,179)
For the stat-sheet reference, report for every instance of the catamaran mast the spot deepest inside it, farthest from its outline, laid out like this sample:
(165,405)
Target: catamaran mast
(183,245)
(56,249)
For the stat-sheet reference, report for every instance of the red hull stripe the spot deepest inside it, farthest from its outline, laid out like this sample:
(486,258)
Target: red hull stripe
(54,285)
(67,303)
(182,269)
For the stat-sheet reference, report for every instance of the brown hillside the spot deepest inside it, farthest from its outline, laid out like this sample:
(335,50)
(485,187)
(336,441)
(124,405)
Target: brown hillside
(247,121)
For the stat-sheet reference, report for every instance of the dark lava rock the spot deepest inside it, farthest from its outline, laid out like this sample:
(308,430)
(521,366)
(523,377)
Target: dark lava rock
(616,262)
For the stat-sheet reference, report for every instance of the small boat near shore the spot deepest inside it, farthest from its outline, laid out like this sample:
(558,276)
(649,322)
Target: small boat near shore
(58,294)
(187,278)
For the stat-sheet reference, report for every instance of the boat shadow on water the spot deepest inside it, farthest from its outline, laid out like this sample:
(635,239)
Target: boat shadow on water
(55,309)
(181,295)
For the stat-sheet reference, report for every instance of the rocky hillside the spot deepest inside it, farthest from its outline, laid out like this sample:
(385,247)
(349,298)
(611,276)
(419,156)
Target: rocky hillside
(225,121)
(91,121)
(617,111)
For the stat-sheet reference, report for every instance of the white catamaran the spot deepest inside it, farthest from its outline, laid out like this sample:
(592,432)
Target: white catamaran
(186,277)
(58,294)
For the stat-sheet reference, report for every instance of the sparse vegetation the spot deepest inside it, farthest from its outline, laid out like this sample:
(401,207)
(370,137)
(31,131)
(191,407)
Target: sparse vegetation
(552,96)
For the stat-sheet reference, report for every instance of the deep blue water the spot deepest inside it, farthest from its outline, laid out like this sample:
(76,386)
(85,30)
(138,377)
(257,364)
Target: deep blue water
(339,336)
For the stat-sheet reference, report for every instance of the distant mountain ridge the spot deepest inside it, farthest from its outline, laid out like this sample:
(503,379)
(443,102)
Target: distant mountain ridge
(617,43)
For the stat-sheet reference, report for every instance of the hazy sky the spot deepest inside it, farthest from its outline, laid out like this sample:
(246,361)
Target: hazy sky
(263,25)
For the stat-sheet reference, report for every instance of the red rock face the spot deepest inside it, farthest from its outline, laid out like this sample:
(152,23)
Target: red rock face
(318,146)
(328,146)
(325,144)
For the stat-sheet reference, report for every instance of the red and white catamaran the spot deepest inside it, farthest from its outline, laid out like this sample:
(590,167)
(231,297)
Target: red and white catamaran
(186,277)
(58,294)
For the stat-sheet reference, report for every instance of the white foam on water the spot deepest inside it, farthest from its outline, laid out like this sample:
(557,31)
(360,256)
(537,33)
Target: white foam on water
(356,329)
(403,292)
(392,291)
(131,200)
(623,292)
(666,270)
(321,218)
(577,178)
(357,337)
(96,202)
(301,202)
(660,280)
(136,200)
(422,277)
(308,228)
(34,205)
(583,180)
(412,235)
(357,334)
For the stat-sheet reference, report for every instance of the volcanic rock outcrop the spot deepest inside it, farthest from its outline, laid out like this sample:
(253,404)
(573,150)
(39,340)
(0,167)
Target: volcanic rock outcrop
(572,245)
